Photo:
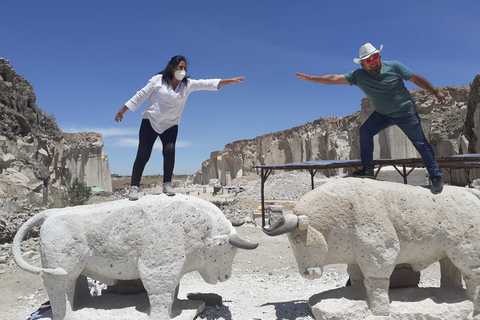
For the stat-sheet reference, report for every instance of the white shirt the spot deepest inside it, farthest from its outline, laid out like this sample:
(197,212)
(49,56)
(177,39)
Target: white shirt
(165,105)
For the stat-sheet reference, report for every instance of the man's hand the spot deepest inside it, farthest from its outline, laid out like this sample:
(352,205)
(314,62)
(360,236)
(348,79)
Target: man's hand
(302,76)
(440,97)
(426,85)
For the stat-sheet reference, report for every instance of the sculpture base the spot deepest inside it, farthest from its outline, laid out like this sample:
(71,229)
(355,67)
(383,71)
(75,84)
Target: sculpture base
(405,304)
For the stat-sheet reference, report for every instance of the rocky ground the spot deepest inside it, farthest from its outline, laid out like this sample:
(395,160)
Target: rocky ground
(265,283)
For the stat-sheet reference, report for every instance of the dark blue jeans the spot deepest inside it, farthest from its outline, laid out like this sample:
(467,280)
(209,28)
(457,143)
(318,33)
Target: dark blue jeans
(147,137)
(413,130)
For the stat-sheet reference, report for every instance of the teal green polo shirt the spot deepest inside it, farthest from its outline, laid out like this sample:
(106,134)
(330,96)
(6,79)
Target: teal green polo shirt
(386,91)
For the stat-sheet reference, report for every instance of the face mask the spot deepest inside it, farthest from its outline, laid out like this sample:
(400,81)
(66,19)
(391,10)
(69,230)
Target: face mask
(180,74)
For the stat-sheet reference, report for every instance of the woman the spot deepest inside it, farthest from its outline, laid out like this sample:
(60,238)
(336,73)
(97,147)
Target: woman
(167,93)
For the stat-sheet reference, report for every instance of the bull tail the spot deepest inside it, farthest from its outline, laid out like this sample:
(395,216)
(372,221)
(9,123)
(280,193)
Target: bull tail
(17,250)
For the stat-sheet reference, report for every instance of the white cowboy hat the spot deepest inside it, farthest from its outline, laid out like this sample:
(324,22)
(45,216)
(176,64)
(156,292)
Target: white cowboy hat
(366,51)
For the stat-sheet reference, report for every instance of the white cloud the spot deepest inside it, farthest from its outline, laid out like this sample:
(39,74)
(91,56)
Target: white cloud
(109,136)
(133,142)
(106,132)
(125,142)
(183,144)
(121,142)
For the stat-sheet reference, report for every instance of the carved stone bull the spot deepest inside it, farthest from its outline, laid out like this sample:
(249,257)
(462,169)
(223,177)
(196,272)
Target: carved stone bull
(375,225)
(156,239)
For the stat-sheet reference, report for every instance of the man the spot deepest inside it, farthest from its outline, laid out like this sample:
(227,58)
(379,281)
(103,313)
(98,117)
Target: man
(383,84)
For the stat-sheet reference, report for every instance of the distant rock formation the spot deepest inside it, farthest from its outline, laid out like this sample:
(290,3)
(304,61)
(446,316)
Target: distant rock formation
(451,128)
(37,160)
(472,123)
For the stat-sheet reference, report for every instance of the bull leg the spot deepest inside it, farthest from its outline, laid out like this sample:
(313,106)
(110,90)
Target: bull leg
(61,291)
(450,275)
(160,283)
(160,307)
(58,288)
(377,252)
(81,290)
(465,257)
(68,252)
(377,295)
(175,295)
(473,292)
(355,274)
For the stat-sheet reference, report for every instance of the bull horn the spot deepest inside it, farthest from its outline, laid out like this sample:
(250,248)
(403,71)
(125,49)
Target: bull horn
(237,242)
(282,226)
(474,191)
(237,223)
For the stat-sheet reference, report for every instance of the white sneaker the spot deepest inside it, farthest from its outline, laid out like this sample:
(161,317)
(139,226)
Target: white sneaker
(133,194)
(168,189)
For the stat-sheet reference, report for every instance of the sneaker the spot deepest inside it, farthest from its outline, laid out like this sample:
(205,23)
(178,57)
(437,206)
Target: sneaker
(364,173)
(437,186)
(168,189)
(133,194)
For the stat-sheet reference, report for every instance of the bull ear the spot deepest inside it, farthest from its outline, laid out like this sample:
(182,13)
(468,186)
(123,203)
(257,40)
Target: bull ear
(303,222)
(316,239)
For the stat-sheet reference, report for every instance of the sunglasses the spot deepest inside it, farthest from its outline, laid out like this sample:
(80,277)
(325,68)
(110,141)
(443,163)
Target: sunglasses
(369,61)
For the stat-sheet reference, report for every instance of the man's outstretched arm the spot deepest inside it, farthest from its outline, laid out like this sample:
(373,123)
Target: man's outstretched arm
(426,85)
(326,79)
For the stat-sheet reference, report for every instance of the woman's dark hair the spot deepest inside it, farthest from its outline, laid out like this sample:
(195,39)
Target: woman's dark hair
(167,72)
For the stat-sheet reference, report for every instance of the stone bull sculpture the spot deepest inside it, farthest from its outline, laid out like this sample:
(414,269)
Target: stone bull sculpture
(156,239)
(375,225)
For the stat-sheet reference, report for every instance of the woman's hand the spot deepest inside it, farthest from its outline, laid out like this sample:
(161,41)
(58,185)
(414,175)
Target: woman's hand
(119,115)
(224,82)
(238,80)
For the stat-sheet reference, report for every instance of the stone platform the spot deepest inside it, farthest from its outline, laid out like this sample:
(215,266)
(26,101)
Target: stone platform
(405,304)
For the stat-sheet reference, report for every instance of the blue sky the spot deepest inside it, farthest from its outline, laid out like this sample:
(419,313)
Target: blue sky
(85,59)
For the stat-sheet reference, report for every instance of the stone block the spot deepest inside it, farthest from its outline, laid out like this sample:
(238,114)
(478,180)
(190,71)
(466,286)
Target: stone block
(406,304)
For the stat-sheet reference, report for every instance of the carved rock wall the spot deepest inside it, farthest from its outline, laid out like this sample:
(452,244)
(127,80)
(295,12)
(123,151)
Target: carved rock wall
(85,159)
(322,139)
(338,138)
(472,125)
(37,160)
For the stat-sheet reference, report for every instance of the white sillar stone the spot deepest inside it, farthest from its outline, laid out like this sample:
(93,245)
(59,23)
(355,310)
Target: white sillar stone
(374,226)
(156,239)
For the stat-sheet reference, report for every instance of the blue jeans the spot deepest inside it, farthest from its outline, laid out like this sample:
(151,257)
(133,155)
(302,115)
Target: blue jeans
(412,128)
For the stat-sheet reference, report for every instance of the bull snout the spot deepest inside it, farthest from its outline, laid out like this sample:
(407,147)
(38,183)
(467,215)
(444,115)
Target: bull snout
(312,273)
(224,278)
(212,279)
